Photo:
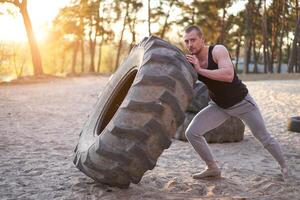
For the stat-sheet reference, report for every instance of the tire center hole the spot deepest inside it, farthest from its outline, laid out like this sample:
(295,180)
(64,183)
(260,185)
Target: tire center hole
(116,99)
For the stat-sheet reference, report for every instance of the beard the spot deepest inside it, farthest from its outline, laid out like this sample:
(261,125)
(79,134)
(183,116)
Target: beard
(195,51)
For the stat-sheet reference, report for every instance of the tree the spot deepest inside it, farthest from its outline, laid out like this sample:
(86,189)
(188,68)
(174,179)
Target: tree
(235,36)
(293,61)
(132,21)
(5,56)
(57,47)
(166,23)
(93,17)
(256,37)
(293,64)
(130,8)
(223,5)
(127,4)
(248,35)
(18,66)
(105,32)
(276,11)
(83,8)
(252,20)
(67,23)
(281,32)
(35,53)
(265,40)
(149,17)
(160,15)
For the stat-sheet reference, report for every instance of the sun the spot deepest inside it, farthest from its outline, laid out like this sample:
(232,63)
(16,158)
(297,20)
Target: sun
(41,14)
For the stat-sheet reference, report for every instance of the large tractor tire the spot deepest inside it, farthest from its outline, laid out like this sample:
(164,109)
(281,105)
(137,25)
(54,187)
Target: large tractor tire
(136,115)
(200,98)
(232,130)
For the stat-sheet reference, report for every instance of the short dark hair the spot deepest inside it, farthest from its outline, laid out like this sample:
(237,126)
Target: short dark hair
(190,28)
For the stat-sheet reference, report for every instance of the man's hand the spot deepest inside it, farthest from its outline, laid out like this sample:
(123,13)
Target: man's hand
(194,61)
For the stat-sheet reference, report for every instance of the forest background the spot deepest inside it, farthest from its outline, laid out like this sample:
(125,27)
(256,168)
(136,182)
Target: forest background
(92,36)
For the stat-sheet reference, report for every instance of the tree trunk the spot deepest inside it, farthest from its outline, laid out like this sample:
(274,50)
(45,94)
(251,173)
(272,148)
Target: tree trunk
(133,33)
(275,25)
(266,60)
(255,69)
(292,65)
(100,54)
(149,17)
(92,52)
(162,34)
(35,53)
(237,54)
(193,15)
(298,59)
(74,58)
(247,43)
(278,38)
(63,63)
(15,61)
(121,38)
(265,39)
(279,53)
(133,38)
(82,43)
(93,38)
(94,26)
(82,54)
(297,50)
(222,31)
(54,62)
(101,34)
(246,55)
(288,48)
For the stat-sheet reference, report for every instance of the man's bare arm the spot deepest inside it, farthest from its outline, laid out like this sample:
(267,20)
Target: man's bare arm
(225,72)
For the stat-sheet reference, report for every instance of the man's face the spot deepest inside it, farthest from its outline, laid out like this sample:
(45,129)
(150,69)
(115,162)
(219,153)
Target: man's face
(193,42)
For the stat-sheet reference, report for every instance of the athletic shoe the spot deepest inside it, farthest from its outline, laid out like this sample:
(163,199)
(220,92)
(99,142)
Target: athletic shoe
(208,172)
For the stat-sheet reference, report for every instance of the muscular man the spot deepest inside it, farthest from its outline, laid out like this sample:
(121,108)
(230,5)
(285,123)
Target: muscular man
(229,96)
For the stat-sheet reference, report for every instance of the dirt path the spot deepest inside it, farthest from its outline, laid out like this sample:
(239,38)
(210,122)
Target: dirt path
(40,123)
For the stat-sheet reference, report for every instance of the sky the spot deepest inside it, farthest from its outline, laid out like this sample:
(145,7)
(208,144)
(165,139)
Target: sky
(42,12)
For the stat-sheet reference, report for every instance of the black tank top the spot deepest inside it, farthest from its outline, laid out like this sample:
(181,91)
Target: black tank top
(224,94)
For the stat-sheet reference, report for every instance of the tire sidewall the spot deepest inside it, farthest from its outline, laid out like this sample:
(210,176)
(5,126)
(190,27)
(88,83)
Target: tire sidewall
(131,63)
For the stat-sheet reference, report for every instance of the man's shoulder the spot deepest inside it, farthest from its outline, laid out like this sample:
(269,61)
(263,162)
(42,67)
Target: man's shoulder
(219,48)
(219,51)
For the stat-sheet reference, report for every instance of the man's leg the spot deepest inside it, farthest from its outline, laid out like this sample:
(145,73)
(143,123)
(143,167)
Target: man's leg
(206,120)
(256,123)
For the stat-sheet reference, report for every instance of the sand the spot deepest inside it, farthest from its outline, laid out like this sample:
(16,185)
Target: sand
(40,123)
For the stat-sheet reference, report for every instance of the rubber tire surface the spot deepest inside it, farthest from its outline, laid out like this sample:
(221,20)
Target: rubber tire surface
(294,124)
(136,115)
(200,99)
(232,130)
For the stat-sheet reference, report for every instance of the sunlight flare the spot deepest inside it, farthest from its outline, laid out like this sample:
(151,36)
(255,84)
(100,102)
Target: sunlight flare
(41,14)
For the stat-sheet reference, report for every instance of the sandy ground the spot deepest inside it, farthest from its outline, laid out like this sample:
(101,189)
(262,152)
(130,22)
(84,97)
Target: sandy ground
(40,123)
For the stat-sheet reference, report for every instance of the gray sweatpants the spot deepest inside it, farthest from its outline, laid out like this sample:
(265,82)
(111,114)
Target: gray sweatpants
(212,116)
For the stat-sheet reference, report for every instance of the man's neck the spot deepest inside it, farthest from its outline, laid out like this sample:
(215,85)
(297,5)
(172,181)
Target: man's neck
(203,54)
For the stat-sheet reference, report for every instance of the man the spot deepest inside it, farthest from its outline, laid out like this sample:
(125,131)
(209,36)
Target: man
(229,97)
